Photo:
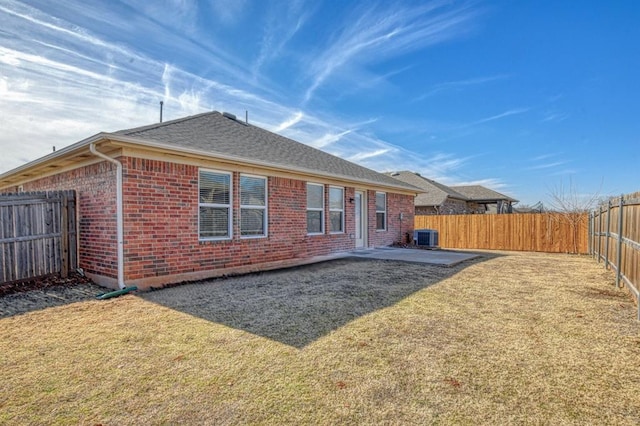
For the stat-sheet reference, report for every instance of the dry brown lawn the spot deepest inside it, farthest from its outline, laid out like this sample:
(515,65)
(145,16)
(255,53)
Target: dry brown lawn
(514,338)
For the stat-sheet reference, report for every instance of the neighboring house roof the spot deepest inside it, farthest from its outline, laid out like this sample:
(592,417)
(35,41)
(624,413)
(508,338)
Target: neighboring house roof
(480,194)
(217,136)
(536,208)
(434,193)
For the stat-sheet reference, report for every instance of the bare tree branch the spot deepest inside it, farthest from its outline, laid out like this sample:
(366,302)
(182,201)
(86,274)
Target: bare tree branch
(568,205)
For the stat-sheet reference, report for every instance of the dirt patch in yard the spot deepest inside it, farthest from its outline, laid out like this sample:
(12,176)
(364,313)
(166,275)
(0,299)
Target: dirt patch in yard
(42,283)
(518,338)
(45,292)
(299,305)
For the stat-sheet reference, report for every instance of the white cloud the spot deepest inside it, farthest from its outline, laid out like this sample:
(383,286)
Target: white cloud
(48,24)
(375,33)
(64,83)
(328,139)
(507,113)
(459,84)
(228,12)
(491,183)
(547,165)
(284,20)
(368,155)
(7,58)
(181,14)
(545,156)
(290,122)
(554,117)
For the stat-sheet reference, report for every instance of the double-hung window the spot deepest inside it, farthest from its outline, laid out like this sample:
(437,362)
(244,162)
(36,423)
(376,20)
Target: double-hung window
(336,209)
(214,205)
(253,206)
(381,211)
(315,208)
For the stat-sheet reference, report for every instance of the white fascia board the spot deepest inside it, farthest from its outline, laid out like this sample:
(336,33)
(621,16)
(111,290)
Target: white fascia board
(236,159)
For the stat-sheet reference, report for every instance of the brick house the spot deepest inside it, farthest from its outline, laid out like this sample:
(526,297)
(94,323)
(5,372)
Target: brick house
(485,200)
(210,195)
(436,198)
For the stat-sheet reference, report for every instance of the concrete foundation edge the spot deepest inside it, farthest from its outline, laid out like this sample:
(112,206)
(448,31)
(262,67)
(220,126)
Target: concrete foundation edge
(164,280)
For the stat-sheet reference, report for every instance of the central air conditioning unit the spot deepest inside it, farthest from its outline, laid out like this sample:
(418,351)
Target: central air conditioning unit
(425,238)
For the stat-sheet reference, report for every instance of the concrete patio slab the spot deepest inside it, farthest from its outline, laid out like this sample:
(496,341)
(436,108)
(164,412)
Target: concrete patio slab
(433,257)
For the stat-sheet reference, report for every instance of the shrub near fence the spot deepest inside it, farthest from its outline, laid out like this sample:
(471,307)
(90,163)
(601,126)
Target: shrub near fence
(614,237)
(542,232)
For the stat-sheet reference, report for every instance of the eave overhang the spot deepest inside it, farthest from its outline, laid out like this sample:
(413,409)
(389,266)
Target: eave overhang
(79,153)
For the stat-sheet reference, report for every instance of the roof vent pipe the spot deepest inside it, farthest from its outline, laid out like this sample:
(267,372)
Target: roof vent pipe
(119,218)
(161,104)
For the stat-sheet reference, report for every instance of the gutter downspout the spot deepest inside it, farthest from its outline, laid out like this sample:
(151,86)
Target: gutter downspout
(119,214)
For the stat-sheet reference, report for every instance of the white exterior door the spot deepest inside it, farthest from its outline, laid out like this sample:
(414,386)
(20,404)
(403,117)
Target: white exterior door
(360,219)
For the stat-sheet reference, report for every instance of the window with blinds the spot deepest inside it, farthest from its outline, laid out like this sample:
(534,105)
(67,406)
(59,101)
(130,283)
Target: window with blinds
(381,211)
(336,209)
(315,208)
(253,206)
(214,205)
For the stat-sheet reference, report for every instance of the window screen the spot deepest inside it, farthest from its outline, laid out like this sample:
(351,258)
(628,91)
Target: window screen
(253,206)
(214,205)
(381,211)
(315,208)
(336,209)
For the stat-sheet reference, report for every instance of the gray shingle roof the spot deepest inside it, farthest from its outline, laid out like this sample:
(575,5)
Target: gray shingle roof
(434,193)
(215,133)
(480,193)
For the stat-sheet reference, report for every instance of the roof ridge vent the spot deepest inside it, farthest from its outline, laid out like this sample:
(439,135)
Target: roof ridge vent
(234,118)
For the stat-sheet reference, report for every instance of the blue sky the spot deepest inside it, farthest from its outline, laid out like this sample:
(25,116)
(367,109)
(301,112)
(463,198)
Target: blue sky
(519,96)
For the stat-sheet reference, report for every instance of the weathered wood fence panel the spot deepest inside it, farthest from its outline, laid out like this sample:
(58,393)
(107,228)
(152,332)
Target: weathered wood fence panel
(37,234)
(614,238)
(542,232)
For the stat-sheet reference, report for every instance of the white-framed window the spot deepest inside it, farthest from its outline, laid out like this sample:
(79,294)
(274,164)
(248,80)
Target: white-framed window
(381,211)
(315,208)
(214,205)
(253,206)
(336,209)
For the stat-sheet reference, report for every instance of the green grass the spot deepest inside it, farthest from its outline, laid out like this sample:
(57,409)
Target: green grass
(519,338)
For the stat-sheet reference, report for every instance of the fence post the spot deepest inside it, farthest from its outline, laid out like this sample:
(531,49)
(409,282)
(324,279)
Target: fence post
(607,236)
(64,237)
(619,252)
(14,245)
(593,238)
(590,233)
(599,232)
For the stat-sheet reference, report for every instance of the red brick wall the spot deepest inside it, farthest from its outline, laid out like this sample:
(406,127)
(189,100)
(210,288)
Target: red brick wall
(397,228)
(161,222)
(95,187)
(160,217)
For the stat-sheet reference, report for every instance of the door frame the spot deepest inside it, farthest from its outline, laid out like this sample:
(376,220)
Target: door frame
(363,219)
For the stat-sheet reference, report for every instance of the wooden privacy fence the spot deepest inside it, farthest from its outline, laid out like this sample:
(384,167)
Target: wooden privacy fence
(37,234)
(543,232)
(614,237)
